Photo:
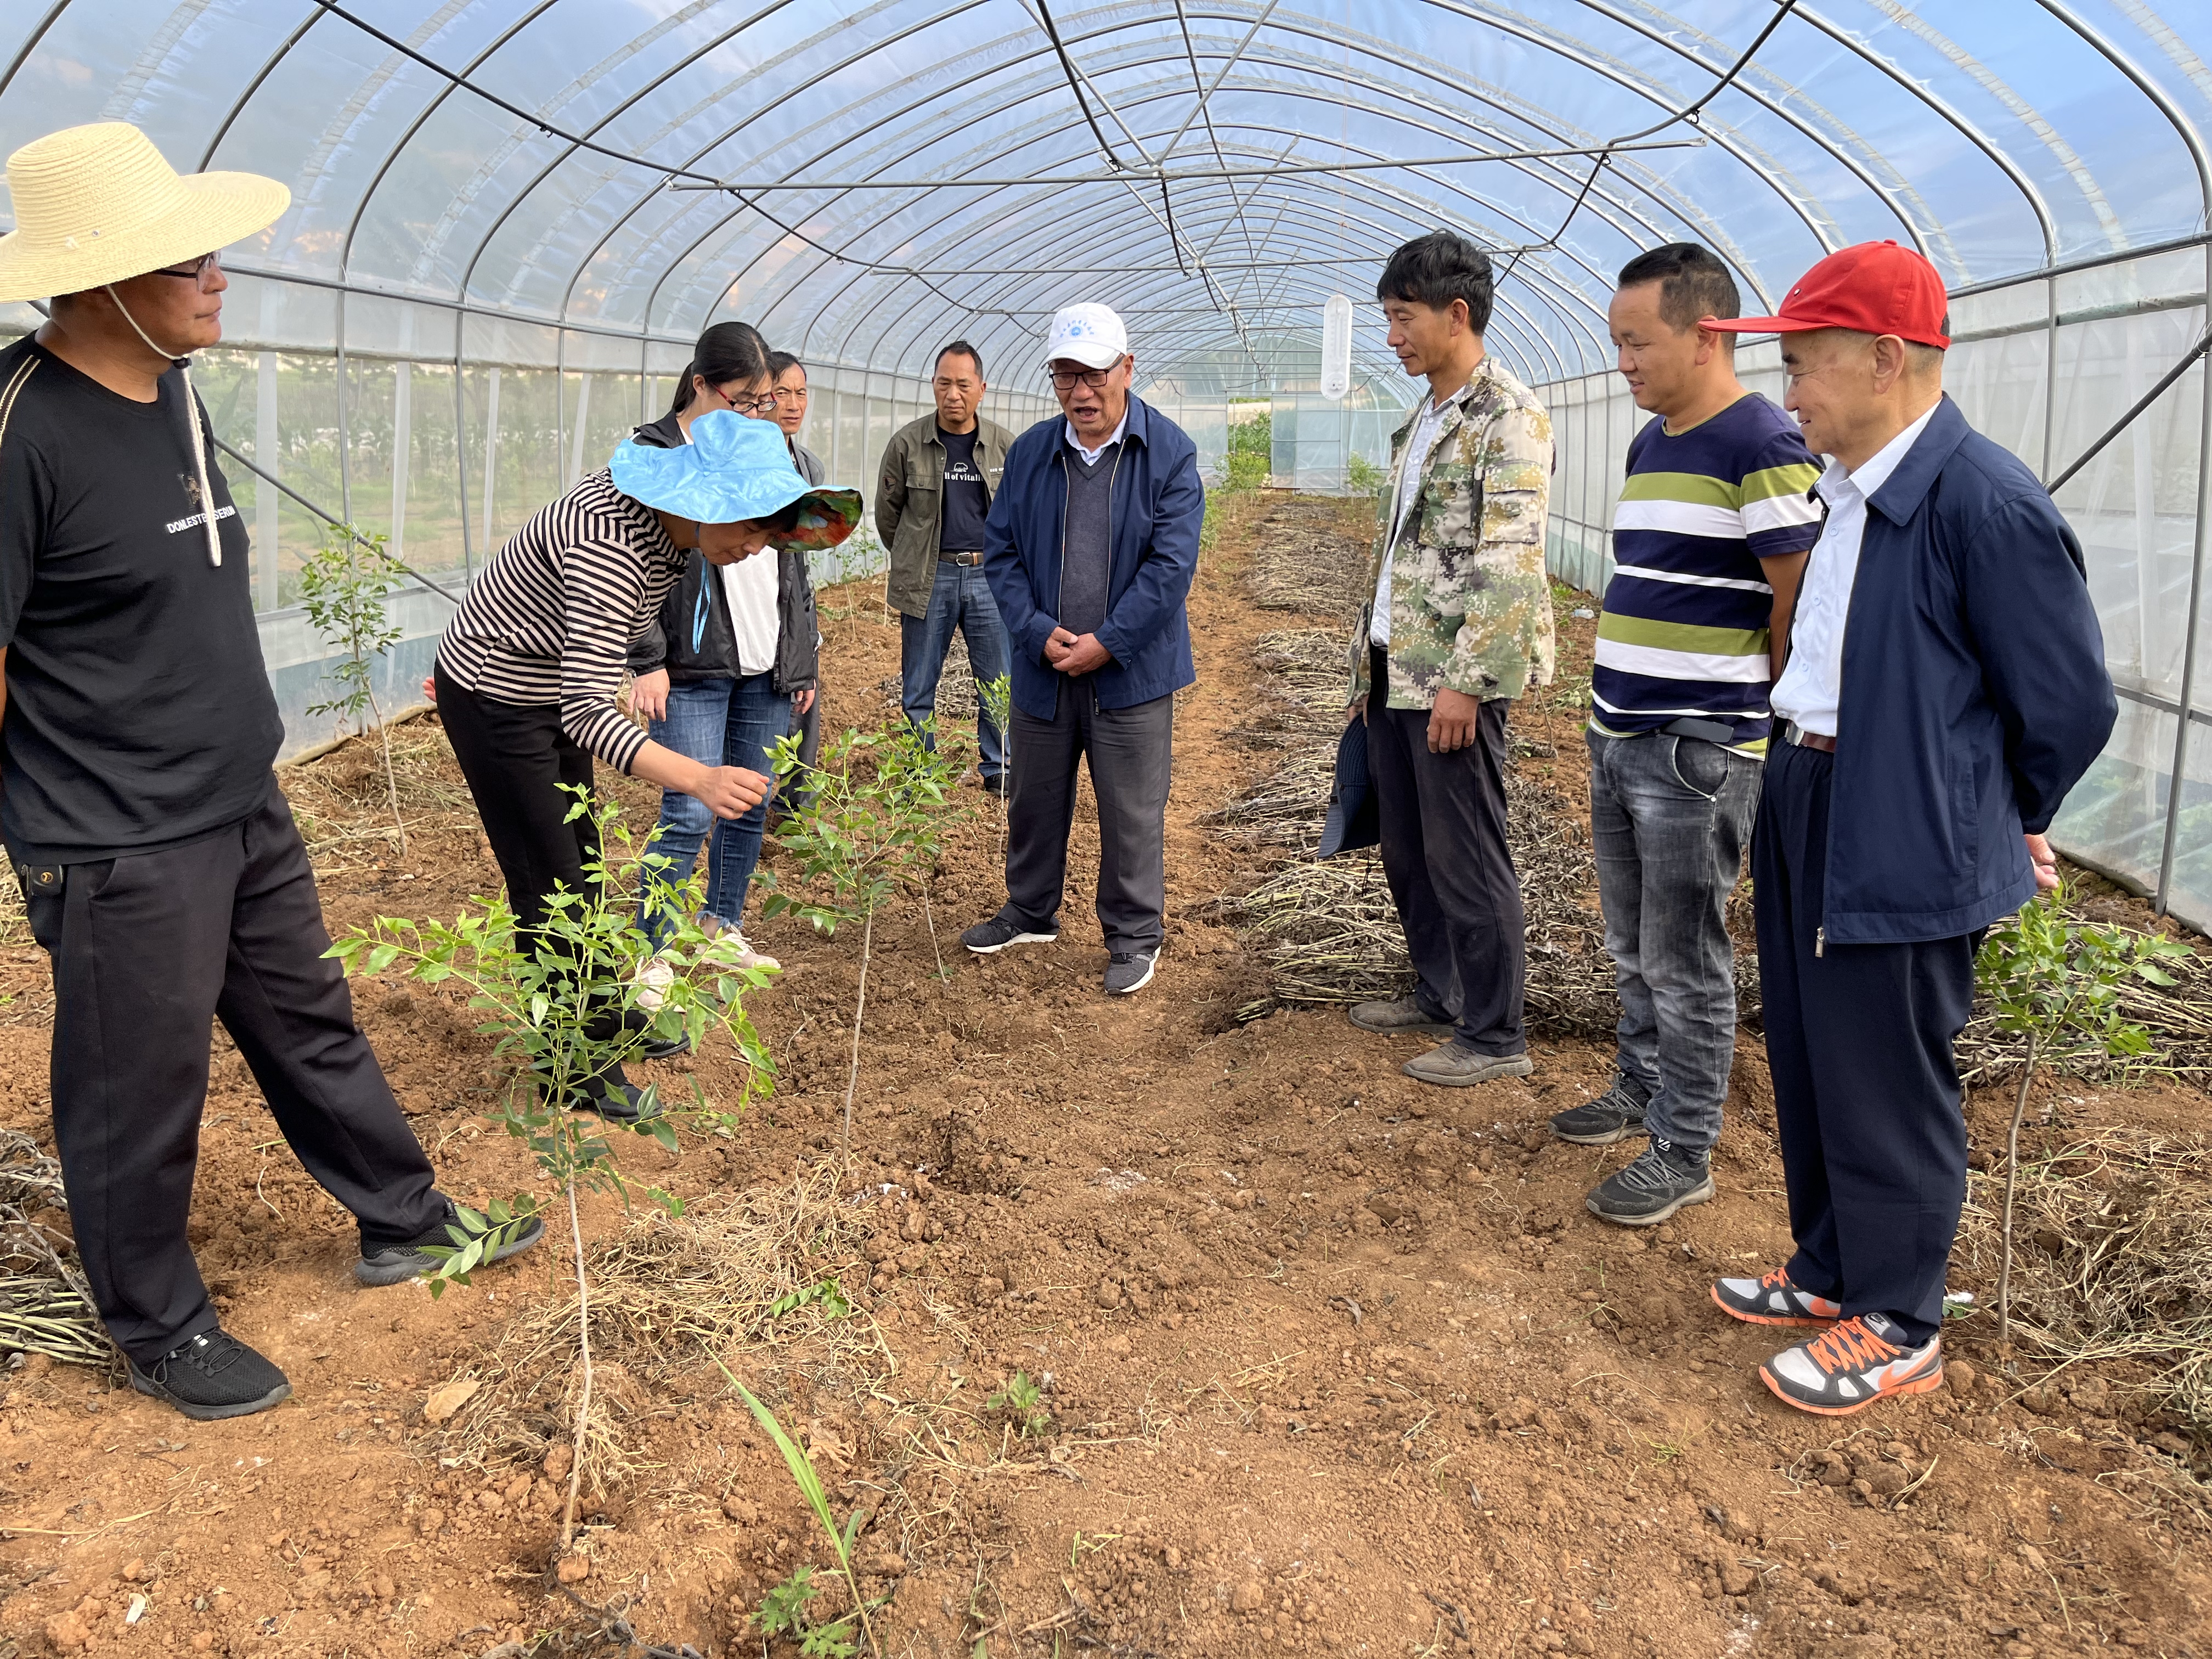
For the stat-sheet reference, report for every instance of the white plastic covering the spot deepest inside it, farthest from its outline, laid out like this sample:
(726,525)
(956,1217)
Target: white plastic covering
(511,217)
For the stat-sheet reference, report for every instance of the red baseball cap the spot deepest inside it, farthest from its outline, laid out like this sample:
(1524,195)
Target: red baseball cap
(1875,287)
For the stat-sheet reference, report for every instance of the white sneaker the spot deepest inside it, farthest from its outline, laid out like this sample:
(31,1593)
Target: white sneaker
(651,980)
(732,949)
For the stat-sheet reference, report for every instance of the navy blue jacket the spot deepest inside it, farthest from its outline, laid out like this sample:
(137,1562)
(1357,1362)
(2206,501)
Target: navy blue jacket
(1158,504)
(1974,692)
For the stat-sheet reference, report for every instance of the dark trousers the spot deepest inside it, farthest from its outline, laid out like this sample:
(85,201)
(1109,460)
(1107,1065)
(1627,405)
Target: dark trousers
(522,769)
(147,950)
(1442,823)
(1866,1093)
(1131,753)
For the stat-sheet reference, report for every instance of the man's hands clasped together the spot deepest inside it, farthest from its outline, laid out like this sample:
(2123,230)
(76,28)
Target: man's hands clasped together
(1071,654)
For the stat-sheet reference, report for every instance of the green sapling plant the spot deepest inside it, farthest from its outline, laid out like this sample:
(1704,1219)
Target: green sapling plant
(563,1006)
(2058,982)
(343,584)
(998,695)
(858,837)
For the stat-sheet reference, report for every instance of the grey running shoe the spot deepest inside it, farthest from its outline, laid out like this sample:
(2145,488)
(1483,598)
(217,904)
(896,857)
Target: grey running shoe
(1130,970)
(1455,1065)
(212,1376)
(396,1263)
(1392,1014)
(1771,1299)
(987,939)
(1661,1180)
(1613,1115)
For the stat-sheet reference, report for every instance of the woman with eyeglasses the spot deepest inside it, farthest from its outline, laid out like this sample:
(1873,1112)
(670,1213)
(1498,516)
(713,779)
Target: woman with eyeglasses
(729,659)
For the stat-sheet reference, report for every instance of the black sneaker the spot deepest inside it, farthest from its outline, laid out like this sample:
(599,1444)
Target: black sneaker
(211,1377)
(396,1263)
(1613,1115)
(987,939)
(659,1047)
(1130,970)
(1661,1180)
(618,1102)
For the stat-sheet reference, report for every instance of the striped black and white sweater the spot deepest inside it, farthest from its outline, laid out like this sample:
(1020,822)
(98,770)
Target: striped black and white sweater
(551,618)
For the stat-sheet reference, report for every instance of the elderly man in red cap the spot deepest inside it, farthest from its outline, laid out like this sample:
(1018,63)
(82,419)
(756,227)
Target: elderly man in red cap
(165,878)
(1945,688)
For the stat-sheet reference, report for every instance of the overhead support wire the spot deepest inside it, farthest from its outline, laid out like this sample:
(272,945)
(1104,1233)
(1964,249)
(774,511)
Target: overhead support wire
(1182,176)
(1689,112)
(1075,83)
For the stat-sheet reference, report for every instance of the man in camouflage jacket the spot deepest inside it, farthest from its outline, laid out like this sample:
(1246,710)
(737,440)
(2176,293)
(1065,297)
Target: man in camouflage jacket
(1459,625)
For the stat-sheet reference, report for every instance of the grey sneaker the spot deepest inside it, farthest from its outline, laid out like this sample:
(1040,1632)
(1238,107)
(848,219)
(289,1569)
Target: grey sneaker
(1130,970)
(1661,1180)
(1613,1115)
(1455,1066)
(1393,1015)
(394,1264)
(987,939)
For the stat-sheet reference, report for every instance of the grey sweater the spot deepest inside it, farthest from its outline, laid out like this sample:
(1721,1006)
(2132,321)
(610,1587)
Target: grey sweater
(1088,541)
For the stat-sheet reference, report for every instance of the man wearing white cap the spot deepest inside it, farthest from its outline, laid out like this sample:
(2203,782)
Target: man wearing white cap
(1090,549)
(163,873)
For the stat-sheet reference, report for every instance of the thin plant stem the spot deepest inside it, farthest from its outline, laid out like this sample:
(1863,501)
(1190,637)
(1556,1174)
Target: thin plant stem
(583,1359)
(2012,1183)
(391,782)
(927,917)
(859,1011)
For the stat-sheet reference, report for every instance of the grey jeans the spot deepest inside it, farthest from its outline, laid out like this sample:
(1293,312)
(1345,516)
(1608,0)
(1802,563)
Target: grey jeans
(1669,819)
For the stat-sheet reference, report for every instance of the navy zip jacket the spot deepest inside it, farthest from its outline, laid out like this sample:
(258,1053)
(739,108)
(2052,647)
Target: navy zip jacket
(1158,504)
(1974,692)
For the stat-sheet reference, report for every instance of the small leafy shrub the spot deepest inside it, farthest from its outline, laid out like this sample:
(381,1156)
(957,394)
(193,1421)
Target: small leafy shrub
(1364,477)
(2057,982)
(343,584)
(1023,1402)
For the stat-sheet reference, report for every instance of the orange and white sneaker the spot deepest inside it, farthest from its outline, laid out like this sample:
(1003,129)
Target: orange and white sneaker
(1851,1365)
(1773,1300)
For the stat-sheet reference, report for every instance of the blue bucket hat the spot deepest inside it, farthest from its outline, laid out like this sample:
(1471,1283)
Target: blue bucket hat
(733,470)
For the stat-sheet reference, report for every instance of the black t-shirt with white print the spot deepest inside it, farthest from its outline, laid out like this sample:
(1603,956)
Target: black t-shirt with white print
(967,498)
(139,714)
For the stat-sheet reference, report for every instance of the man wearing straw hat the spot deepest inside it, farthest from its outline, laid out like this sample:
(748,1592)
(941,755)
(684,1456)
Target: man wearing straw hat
(163,873)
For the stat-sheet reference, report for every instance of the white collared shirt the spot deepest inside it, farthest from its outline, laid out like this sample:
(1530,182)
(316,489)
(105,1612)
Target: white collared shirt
(1811,689)
(1410,467)
(1090,456)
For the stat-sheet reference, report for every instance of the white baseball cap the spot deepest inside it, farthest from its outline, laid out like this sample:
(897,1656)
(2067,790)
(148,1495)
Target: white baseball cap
(1088,334)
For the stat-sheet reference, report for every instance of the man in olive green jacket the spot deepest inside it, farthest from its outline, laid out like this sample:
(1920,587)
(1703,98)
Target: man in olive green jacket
(931,495)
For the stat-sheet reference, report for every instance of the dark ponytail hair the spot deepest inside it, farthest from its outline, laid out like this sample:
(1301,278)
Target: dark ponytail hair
(725,352)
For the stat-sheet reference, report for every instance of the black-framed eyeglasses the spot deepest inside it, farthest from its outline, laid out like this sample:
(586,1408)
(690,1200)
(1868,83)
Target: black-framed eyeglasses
(1064,378)
(763,404)
(198,270)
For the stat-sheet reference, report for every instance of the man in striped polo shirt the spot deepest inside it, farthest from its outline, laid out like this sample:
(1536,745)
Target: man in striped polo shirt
(1711,534)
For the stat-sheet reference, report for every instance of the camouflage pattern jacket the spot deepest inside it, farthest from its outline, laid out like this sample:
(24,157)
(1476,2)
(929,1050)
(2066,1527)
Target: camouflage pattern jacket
(1470,605)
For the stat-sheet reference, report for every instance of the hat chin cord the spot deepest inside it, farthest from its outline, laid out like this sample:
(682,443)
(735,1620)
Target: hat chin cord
(183,366)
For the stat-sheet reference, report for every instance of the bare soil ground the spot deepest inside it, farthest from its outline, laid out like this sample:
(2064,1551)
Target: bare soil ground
(1337,1363)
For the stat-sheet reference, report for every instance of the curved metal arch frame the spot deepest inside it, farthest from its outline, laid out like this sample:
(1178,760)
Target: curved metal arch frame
(1680,213)
(969,232)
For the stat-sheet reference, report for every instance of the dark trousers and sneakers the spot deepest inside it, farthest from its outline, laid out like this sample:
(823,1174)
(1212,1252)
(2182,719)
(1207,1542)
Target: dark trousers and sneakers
(147,950)
(1130,752)
(1868,1109)
(1442,818)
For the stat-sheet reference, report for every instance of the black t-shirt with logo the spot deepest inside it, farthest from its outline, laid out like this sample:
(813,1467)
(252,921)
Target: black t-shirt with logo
(139,714)
(967,499)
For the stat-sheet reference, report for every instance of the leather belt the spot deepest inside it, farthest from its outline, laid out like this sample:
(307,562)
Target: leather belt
(1793,732)
(966,555)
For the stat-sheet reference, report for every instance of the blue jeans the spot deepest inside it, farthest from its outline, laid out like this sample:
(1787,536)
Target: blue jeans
(717,723)
(1669,820)
(959,598)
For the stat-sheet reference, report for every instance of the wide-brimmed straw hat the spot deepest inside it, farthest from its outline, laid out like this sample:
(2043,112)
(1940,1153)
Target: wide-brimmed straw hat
(95,204)
(733,470)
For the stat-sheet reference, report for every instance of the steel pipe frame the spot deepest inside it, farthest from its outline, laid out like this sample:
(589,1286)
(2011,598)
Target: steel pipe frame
(933,138)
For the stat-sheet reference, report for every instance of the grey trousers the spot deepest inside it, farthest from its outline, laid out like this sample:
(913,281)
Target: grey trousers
(1131,753)
(1669,817)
